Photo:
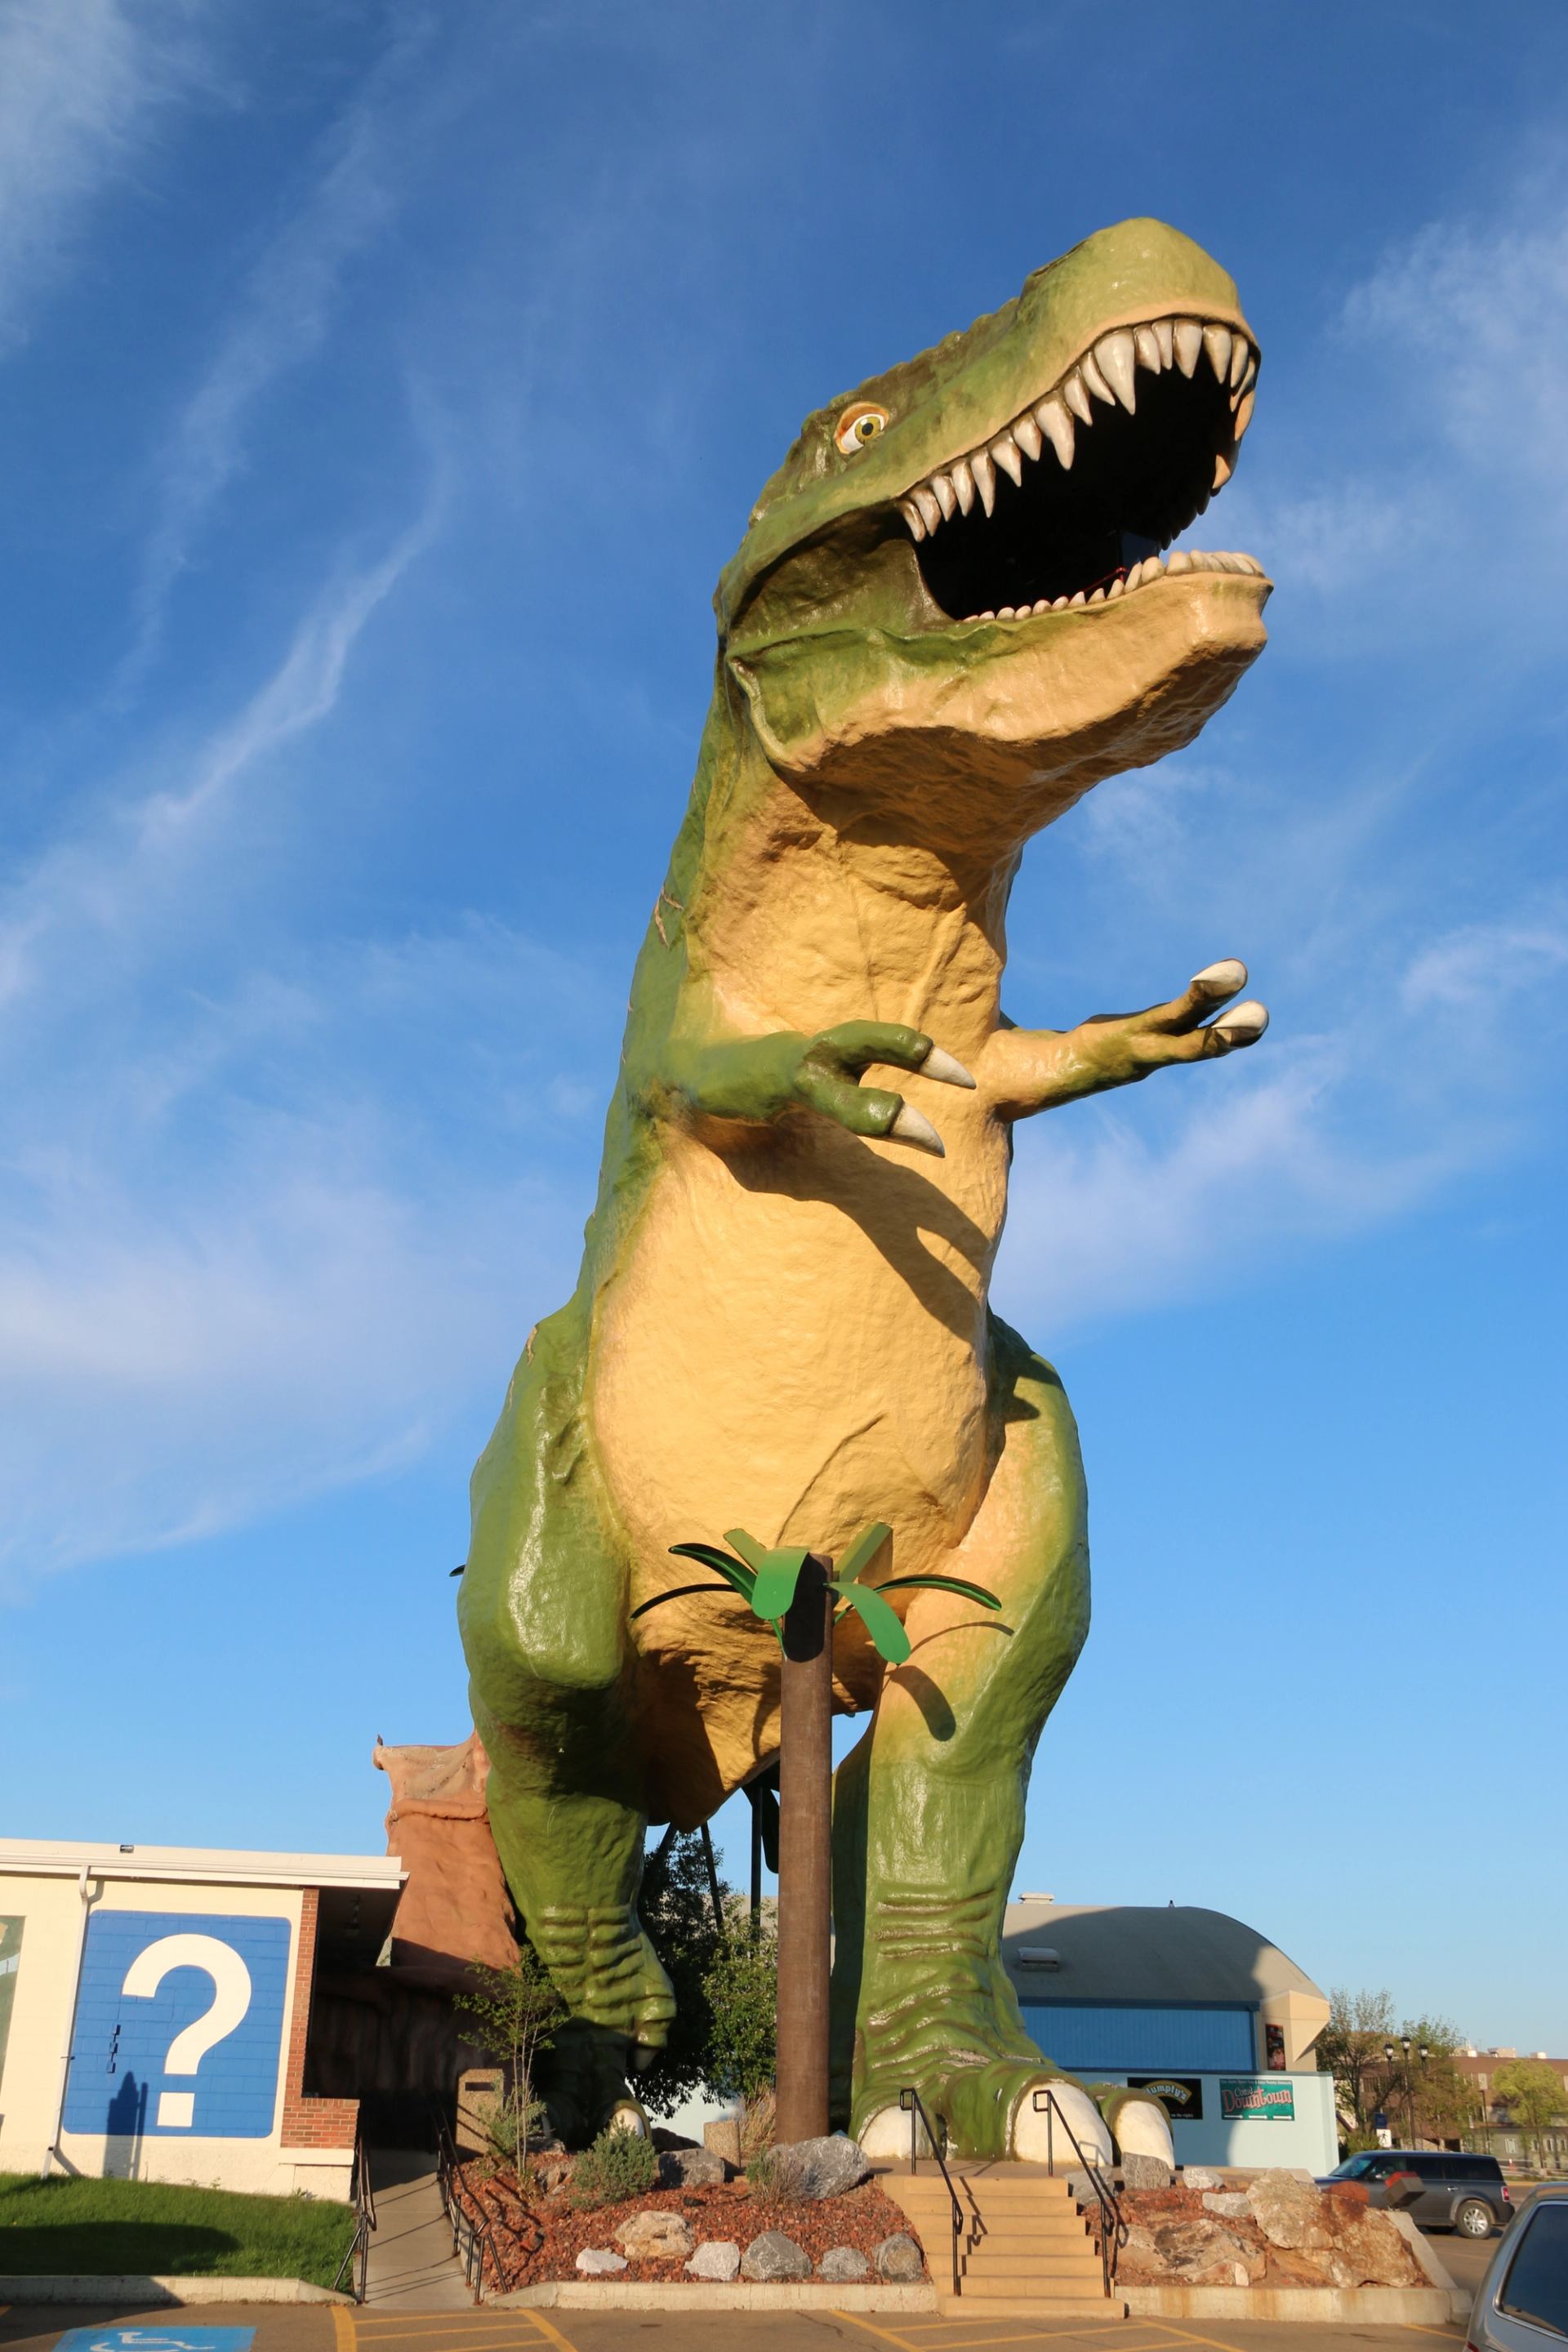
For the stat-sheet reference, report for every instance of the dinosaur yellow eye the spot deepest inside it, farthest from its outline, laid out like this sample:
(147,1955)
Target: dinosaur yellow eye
(858,425)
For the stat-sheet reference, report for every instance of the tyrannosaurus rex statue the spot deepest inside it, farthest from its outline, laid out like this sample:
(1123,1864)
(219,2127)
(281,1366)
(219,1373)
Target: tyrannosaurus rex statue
(948,619)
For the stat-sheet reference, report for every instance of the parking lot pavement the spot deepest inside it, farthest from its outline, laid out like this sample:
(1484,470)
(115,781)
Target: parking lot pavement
(315,2327)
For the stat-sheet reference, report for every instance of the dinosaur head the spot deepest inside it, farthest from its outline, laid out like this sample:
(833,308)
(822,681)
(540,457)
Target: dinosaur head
(951,607)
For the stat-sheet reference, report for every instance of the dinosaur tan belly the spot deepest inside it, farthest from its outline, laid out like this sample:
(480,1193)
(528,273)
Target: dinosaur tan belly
(793,1344)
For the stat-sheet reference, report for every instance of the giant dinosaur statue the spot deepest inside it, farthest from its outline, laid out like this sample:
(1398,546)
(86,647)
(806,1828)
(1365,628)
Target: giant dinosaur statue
(948,619)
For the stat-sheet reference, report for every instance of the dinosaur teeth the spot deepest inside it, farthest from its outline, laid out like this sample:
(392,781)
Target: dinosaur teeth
(1077,398)
(946,496)
(1008,456)
(1188,338)
(1116,356)
(1183,563)
(1053,419)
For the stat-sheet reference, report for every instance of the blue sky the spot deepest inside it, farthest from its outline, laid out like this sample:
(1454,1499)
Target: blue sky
(383,388)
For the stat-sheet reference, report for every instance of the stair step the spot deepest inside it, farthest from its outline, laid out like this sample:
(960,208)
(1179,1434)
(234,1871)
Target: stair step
(1043,2291)
(1022,2266)
(963,2306)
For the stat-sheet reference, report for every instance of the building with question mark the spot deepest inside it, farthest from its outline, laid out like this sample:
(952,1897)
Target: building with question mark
(157,2019)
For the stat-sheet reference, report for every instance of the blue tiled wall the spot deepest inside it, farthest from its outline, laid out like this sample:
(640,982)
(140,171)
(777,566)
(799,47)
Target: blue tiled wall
(1086,2037)
(117,2072)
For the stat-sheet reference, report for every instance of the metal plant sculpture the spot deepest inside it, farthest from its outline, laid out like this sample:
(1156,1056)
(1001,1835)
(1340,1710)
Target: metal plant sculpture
(798,1592)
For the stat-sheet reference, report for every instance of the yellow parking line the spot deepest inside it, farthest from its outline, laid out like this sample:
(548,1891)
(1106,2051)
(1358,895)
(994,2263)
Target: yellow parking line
(885,2334)
(342,2328)
(1186,2336)
(549,2330)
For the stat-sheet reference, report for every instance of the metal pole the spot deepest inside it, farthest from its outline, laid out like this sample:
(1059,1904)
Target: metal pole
(805,1837)
(713,1881)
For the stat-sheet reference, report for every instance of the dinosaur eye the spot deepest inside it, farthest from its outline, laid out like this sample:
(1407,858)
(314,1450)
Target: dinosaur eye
(858,425)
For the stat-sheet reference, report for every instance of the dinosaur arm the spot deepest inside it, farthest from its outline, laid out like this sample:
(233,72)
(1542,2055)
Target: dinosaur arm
(759,1080)
(1025,1070)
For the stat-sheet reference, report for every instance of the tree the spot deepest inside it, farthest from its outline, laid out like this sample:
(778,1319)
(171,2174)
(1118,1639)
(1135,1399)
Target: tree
(514,2012)
(1429,2095)
(1350,2048)
(741,1991)
(676,1905)
(1535,2097)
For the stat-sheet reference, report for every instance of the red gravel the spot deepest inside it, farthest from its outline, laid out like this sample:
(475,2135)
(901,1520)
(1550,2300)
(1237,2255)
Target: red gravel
(540,2239)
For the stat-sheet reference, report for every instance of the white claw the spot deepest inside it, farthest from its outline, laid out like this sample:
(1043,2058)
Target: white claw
(947,1069)
(1218,343)
(1222,979)
(1187,337)
(1243,1025)
(1053,419)
(1114,356)
(912,1125)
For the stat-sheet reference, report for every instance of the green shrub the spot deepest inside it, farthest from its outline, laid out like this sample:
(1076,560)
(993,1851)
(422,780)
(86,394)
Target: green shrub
(620,2164)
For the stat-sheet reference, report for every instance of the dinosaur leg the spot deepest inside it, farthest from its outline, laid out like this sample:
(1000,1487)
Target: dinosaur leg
(544,1617)
(928,1814)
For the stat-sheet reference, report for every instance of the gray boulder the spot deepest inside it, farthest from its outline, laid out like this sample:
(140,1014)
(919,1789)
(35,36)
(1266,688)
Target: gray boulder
(843,2262)
(690,2168)
(716,2258)
(1290,2212)
(773,2257)
(1146,2172)
(807,2169)
(599,2261)
(1201,2175)
(1230,2204)
(900,2258)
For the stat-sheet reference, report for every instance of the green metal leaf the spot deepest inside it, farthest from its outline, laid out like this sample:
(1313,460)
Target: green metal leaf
(941,1584)
(776,1579)
(891,1641)
(681,1592)
(733,1572)
(751,1550)
(863,1550)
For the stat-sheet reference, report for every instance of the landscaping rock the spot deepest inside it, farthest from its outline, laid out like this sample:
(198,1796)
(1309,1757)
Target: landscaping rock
(716,2258)
(1195,2251)
(1289,2212)
(1369,2250)
(843,2262)
(599,2262)
(691,2167)
(1199,2176)
(656,2235)
(723,2137)
(807,2169)
(1231,2204)
(773,2256)
(900,2258)
(1146,2172)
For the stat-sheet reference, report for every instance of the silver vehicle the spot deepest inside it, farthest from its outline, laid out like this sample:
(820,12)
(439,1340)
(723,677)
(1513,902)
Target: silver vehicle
(1522,2305)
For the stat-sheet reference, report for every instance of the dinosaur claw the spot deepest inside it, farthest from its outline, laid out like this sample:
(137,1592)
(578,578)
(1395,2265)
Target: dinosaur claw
(1222,979)
(945,1067)
(912,1125)
(1243,1023)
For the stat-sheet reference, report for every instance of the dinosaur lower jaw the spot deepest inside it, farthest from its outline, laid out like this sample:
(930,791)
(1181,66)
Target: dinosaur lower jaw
(1069,504)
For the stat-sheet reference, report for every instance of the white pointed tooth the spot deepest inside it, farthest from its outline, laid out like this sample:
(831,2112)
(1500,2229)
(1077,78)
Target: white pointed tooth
(1165,336)
(1224,467)
(1179,560)
(1117,588)
(946,496)
(1058,604)
(1027,434)
(1249,378)
(1054,421)
(1187,337)
(1217,343)
(1243,414)
(1097,595)
(912,1125)
(1116,358)
(963,483)
(913,517)
(984,473)
(1134,575)
(1077,398)
(1153,569)
(1079,599)
(1241,354)
(1042,605)
(930,513)
(1007,613)
(986,616)
(948,1071)
(1088,367)
(1004,449)
(1146,346)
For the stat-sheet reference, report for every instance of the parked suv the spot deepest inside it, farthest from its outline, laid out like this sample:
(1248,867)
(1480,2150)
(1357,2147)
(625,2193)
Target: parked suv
(1466,2193)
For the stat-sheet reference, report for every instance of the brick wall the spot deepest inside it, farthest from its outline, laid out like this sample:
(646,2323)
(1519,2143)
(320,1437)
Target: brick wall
(310,2123)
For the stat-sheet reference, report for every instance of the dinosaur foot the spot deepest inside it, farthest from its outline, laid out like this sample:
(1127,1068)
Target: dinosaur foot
(584,2081)
(606,1972)
(993,2110)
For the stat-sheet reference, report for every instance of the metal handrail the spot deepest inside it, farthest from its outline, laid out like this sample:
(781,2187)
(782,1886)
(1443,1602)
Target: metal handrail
(1112,2225)
(357,2260)
(913,2105)
(480,2233)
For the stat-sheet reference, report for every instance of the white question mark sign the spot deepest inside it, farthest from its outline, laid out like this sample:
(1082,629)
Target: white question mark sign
(231,1998)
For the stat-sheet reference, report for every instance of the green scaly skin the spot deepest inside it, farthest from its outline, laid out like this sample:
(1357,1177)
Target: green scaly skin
(842,700)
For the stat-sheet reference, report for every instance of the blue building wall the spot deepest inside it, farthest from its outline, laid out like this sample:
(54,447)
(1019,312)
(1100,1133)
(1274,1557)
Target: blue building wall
(1112,2037)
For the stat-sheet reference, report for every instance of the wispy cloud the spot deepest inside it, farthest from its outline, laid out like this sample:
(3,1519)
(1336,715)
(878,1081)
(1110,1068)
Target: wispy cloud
(81,82)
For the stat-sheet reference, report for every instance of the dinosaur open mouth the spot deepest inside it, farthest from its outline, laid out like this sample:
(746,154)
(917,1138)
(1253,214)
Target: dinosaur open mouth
(1072,502)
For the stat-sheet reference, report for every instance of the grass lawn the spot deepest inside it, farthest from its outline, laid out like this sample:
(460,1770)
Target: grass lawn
(135,2227)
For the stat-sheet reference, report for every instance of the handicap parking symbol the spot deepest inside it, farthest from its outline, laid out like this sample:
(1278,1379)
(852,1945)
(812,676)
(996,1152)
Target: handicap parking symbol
(156,2339)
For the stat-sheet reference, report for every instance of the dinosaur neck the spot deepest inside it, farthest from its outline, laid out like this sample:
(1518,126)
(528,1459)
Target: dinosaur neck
(807,910)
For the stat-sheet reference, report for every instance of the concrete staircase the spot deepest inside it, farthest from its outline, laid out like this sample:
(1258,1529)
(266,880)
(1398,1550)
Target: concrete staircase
(1024,2249)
